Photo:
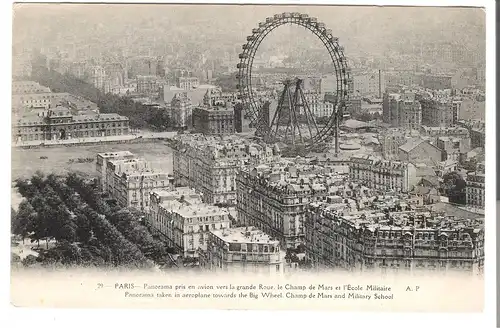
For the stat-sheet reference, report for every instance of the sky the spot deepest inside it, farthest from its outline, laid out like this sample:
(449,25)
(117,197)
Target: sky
(364,27)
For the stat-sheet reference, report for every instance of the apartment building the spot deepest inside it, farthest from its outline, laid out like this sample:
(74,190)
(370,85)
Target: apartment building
(209,164)
(382,174)
(28,87)
(216,119)
(182,110)
(181,219)
(439,112)
(379,242)
(243,250)
(434,132)
(273,197)
(130,180)
(391,139)
(453,147)
(475,192)
(188,83)
(102,165)
(402,110)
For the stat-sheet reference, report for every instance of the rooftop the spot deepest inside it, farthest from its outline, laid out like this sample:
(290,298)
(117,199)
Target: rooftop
(445,129)
(199,210)
(120,160)
(116,154)
(193,209)
(177,192)
(133,174)
(378,162)
(244,235)
(166,196)
(284,176)
(32,119)
(453,210)
(99,118)
(447,138)
(218,108)
(411,144)
(355,124)
(229,147)
(432,219)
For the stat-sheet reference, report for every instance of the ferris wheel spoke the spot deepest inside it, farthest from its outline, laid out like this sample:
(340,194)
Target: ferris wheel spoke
(287,127)
(308,112)
(291,114)
(297,124)
(277,113)
(299,104)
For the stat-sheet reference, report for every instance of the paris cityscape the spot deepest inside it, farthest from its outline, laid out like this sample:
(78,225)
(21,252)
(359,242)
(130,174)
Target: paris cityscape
(271,140)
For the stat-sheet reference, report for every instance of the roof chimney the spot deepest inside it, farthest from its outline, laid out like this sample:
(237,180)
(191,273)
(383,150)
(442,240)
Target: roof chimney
(379,84)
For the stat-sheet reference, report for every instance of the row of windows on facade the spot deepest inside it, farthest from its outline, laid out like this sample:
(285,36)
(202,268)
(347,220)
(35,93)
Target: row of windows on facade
(278,224)
(244,265)
(421,264)
(135,201)
(424,236)
(406,252)
(378,177)
(27,102)
(252,248)
(145,186)
(475,191)
(74,126)
(359,253)
(367,248)
(204,219)
(32,137)
(93,125)
(256,258)
(57,129)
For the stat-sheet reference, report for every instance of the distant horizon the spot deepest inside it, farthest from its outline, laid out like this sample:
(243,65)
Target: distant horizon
(360,28)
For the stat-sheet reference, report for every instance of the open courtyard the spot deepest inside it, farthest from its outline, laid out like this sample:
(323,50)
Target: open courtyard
(60,160)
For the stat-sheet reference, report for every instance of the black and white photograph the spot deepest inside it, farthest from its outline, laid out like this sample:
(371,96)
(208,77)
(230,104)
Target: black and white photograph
(242,156)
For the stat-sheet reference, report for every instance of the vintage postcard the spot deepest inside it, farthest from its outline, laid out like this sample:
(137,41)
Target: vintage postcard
(249,157)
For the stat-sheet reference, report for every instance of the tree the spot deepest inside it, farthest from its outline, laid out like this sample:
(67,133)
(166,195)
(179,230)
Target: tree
(365,117)
(453,187)
(14,258)
(140,116)
(13,218)
(127,222)
(38,180)
(72,211)
(301,248)
(470,165)
(70,253)
(83,228)
(62,226)
(67,233)
(25,188)
(29,260)
(124,252)
(24,220)
(41,222)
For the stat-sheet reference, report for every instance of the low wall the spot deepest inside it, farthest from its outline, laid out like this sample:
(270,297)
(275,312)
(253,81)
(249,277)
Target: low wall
(92,143)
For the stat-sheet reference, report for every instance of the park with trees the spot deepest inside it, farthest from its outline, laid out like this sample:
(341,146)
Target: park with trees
(72,224)
(140,116)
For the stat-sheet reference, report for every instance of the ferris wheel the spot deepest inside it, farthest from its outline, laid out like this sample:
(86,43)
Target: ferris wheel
(293,122)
